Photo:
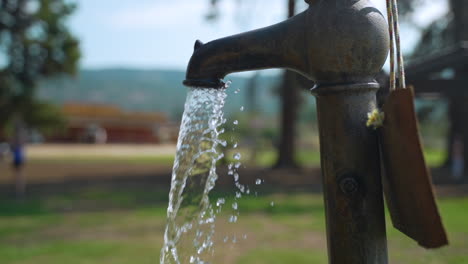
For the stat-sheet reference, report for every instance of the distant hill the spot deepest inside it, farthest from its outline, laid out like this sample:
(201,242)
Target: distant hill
(148,90)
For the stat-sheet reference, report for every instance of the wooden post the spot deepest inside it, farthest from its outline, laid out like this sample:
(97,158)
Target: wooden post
(464,132)
(351,174)
(460,11)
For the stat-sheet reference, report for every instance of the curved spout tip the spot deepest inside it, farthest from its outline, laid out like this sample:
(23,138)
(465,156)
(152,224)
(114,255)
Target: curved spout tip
(205,83)
(211,82)
(197,44)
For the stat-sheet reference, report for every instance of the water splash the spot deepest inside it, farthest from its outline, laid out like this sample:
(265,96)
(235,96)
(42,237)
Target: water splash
(190,216)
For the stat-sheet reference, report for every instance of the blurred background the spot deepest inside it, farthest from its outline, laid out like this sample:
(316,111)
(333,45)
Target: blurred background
(91,99)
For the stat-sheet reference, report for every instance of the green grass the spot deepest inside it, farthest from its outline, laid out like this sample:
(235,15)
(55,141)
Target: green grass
(434,158)
(79,252)
(291,231)
(160,159)
(265,158)
(281,256)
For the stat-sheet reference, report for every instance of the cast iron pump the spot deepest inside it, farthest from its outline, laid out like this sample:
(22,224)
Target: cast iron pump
(341,45)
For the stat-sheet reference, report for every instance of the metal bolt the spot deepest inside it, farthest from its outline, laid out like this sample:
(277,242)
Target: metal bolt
(349,185)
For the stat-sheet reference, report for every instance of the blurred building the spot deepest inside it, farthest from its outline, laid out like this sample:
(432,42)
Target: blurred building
(100,123)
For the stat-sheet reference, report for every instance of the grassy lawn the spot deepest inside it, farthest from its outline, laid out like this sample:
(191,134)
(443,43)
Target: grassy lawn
(53,229)
(434,158)
(131,159)
(265,158)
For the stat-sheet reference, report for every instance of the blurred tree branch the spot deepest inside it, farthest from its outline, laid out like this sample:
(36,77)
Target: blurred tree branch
(35,43)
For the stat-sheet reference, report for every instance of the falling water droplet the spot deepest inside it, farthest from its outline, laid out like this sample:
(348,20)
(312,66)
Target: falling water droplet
(244,236)
(237,165)
(200,250)
(220,202)
(258,181)
(236,177)
(272,203)
(226,238)
(233,219)
(240,187)
(234,206)
(242,108)
(237,156)
(236,122)
(235,145)
(238,195)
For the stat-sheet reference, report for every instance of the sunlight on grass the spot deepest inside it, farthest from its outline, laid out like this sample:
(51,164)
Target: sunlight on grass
(291,231)
(160,159)
(308,158)
(434,157)
(282,256)
(264,158)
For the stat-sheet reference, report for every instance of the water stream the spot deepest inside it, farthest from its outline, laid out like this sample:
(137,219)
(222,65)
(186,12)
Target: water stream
(190,216)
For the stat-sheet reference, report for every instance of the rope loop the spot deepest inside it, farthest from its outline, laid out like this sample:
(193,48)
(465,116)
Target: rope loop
(394,32)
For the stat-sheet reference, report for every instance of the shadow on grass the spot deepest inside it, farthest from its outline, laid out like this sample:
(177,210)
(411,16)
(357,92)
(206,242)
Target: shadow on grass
(21,208)
(94,198)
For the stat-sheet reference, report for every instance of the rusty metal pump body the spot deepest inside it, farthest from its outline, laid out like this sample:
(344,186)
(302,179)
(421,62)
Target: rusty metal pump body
(341,45)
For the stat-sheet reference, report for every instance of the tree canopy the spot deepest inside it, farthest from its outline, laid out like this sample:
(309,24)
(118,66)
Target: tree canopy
(35,43)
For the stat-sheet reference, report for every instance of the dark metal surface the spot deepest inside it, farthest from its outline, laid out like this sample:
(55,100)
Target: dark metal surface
(351,175)
(341,45)
(340,41)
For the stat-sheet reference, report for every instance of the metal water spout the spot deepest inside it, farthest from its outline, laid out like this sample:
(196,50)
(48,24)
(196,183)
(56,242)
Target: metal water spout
(333,41)
(341,45)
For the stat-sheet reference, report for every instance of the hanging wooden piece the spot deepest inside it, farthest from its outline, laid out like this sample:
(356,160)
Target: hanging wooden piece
(406,179)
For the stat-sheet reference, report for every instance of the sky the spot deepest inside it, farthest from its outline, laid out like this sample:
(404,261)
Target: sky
(160,34)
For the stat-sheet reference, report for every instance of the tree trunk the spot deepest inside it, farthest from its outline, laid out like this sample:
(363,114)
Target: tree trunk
(252,106)
(289,105)
(460,12)
(457,112)
(458,108)
(453,115)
